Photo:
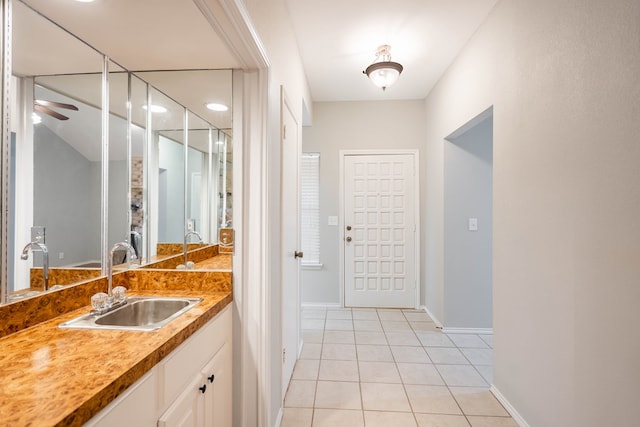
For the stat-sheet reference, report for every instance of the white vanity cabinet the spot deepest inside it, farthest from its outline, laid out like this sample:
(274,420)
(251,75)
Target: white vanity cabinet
(191,387)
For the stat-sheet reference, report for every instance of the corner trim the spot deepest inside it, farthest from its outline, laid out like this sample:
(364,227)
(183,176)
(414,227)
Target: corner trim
(509,407)
(434,318)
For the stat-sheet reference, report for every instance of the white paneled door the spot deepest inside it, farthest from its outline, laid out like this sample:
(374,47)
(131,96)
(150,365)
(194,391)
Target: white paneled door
(379,236)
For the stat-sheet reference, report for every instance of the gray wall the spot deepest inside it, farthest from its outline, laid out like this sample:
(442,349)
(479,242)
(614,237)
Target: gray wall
(350,126)
(562,77)
(467,254)
(118,208)
(171,159)
(66,199)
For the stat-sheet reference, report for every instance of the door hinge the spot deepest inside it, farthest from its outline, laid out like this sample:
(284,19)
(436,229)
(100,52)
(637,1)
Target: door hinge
(284,355)
(284,132)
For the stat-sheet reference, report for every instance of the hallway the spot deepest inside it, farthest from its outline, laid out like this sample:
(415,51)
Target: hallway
(377,368)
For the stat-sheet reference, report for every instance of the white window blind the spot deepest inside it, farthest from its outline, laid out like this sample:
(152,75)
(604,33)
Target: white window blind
(310,208)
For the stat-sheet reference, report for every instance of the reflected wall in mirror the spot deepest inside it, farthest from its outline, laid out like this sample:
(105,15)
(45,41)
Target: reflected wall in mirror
(55,152)
(166,184)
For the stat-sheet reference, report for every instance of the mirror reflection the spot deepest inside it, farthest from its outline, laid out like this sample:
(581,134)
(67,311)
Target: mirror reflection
(167,170)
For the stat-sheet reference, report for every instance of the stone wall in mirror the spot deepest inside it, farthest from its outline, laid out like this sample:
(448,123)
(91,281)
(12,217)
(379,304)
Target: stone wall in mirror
(100,154)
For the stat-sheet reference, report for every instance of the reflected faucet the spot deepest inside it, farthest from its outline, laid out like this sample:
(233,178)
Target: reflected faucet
(129,256)
(186,240)
(45,259)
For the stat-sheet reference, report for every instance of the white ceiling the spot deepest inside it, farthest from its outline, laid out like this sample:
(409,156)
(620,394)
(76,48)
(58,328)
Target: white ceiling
(338,39)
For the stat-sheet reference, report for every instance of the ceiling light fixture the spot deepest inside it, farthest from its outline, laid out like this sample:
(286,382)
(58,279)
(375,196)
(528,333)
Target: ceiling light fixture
(383,73)
(213,106)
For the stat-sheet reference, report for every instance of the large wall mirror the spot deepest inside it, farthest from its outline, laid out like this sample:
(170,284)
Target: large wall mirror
(81,124)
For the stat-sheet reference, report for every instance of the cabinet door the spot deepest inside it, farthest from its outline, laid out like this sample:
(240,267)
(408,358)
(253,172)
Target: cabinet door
(217,399)
(188,409)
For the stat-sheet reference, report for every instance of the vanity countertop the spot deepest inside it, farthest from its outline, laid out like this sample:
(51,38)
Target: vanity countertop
(51,376)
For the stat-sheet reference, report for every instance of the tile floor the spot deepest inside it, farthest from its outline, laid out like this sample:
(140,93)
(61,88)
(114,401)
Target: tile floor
(379,368)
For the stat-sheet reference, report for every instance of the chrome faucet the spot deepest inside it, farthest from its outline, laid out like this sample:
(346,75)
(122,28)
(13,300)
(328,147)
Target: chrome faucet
(129,256)
(45,259)
(186,240)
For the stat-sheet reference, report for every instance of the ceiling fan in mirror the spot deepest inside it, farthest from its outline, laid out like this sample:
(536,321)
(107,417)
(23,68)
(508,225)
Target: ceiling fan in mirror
(46,107)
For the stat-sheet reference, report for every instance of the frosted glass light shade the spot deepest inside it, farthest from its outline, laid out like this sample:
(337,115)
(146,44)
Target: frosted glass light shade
(384,74)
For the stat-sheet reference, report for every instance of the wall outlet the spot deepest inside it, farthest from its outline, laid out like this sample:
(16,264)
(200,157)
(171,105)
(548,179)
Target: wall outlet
(38,234)
(190,224)
(473,224)
(61,255)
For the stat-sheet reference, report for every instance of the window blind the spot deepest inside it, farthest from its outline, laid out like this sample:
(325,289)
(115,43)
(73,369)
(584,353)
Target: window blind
(310,207)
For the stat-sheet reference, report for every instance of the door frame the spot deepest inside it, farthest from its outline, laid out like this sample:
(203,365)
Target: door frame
(416,194)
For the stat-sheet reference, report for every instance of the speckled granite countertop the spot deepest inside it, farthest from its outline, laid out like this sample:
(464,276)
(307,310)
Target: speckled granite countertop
(51,376)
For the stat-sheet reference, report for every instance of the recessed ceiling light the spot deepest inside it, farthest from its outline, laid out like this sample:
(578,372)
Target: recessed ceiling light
(85,1)
(217,107)
(220,142)
(156,108)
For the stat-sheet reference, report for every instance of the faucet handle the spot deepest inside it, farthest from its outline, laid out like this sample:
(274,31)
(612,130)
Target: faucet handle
(119,294)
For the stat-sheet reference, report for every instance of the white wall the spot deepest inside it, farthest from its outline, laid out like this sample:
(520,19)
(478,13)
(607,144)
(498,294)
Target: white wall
(275,33)
(343,126)
(467,254)
(563,79)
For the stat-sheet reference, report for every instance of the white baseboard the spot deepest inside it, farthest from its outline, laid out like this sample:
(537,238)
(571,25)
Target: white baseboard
(477,331)
(434,318)
(279,418)
(510,409)
(321,305)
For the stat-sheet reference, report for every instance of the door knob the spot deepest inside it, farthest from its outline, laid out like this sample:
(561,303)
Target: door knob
(298,254)
(348,239)
(348,228)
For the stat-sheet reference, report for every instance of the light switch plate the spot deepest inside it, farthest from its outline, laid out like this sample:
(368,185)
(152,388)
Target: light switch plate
(473,224)
(332,220)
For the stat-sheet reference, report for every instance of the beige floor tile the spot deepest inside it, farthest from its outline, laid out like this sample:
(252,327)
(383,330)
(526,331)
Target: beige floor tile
(446,356)
(486,371)
(296,417)
(338,370)
(468,341)
(312,336)
(432,399)
(339,351)
(439,420)
(301,394)
(338,395)
(407,354)
(479,356)
(388,419)
(367,325)
(314,313)
(417,316)
(478,401)
(306,369)
(461,375)
(337,418)
(395,325)
(391,315)
(339,314)
(384,397)
(339,337)
(492,422)
(339,325)
(419,373)
(365,315)
(403,338)
(374,353)
(424,326)
(488,339)
(364,337)
(311,351)
(316,324)
(434,339)
(379,372)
